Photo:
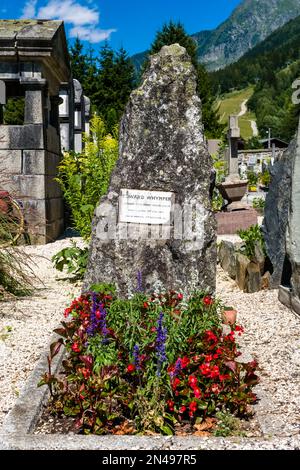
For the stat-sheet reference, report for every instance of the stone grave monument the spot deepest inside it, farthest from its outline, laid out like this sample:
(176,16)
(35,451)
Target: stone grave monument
(156,218)
(236,215)
(34,64)
(281,225)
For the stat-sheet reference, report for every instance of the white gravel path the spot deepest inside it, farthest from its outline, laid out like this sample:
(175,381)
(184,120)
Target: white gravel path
(272,335)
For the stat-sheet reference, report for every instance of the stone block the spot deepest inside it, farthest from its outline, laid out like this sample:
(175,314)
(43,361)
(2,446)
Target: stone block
(54,209)
(54,230)
(296,304)
(30,136)
(52,188)
(32,186)
(34,107)
(230,222)
(10,162)
(227,258)
(266,281)
(253,278)
(34,162)
(242,263)
(284,296)
(35,211)
(52,161)
(26,186)
(259,256)
(53,140)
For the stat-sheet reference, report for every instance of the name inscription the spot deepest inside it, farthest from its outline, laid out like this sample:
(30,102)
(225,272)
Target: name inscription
(145,207)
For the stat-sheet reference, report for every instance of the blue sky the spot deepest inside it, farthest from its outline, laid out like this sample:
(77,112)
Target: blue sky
(131,24)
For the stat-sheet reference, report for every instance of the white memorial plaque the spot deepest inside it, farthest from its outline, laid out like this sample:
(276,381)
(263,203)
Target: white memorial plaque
(145,207)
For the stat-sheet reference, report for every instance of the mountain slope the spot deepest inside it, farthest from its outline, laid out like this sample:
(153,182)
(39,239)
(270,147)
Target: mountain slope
(250,23)
(272,67)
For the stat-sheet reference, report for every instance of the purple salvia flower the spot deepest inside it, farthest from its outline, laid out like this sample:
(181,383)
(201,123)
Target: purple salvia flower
(177,369)
(139,281)
(136,357)
(160,346)
(94,322)
(103,324)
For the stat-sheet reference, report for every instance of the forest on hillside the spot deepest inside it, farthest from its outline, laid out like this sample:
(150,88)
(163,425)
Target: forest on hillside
(272,67)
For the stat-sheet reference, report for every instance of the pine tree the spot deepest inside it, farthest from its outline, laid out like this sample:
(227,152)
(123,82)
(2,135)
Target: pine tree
(78,61)
(172,33)
(115,83)
(124,72)
(107,80)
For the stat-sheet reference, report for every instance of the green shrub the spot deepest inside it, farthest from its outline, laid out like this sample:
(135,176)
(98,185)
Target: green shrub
(259,203)
(14,111)
(84,177)
(252,178)
(251,237)
(265,178)
(73,258)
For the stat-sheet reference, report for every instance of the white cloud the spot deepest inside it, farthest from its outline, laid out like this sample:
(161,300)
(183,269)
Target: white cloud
(83,19)
(29,9)
(92,35)
(70,11)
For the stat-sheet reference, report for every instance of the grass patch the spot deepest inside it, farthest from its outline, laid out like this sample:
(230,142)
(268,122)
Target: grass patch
(231,104)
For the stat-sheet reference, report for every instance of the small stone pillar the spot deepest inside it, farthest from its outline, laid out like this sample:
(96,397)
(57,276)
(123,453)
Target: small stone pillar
(87,114)
(79,116)
(34,100)
(2,98)
(233,138)
(66,116)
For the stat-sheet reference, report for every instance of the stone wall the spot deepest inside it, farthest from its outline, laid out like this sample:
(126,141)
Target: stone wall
(29,169)
(34,61)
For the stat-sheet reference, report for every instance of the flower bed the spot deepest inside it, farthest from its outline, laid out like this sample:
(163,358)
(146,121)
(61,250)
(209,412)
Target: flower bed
(148,364)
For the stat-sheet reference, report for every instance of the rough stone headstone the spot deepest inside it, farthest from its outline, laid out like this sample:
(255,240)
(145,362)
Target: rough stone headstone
(293,226)
(163,174)
(227,257)
(253,278)
(242,263)
(277,212)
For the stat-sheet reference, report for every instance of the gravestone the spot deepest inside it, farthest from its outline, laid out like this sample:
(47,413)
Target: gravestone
(156,217)
(282,225)
(277,213)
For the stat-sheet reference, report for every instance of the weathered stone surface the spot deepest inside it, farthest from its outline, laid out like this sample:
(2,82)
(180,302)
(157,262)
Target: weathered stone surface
(242,263)
(253,278)
(162,148)
(293,228)
(34,162)
(227,257)
(29,136)
(266,281)
(10,162)
(277,212)
(230,222)
(259,256)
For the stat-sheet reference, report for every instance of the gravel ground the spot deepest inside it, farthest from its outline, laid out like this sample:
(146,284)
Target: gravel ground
(31,321)
(271,336)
